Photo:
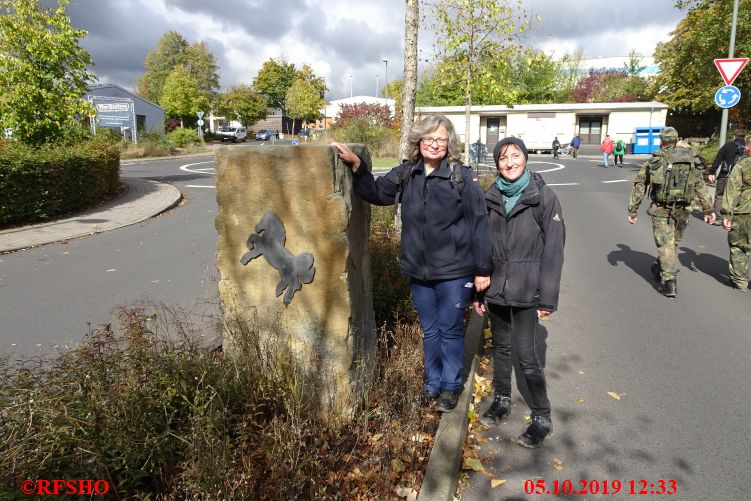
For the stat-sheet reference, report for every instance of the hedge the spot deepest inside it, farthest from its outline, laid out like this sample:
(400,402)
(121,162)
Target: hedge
(37,183)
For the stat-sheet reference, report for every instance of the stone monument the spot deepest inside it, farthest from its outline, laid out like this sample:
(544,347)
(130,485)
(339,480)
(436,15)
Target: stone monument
(293,258)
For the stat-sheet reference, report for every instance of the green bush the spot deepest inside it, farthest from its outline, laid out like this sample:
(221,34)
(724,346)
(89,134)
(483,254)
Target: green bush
(150,144)
(183,137)
(37,183)
(362,130)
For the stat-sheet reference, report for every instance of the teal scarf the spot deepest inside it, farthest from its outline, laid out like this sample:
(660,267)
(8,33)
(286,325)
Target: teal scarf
(512,190)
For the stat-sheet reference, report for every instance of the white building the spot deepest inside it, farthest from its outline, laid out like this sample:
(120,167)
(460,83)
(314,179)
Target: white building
(331,110)
(539,124)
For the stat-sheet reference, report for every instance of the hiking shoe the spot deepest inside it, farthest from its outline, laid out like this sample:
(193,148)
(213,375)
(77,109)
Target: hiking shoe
(447,400)
(428,398)
(668,288)
(536,432)
(735,286)
(498,410)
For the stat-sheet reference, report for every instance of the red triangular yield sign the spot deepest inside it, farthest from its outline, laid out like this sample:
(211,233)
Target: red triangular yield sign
(730,68)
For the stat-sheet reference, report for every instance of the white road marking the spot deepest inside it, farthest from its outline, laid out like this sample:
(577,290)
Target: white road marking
(205,170)
(198,186)
(558,166)
(617,181)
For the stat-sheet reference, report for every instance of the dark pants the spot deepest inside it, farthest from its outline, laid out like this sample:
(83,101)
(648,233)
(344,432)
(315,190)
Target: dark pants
(719,193)
(617,158)
(517,327)
(555,152)
(574,151)
(440,304)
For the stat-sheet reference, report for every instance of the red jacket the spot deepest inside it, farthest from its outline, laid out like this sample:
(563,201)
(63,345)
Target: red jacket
(607,146)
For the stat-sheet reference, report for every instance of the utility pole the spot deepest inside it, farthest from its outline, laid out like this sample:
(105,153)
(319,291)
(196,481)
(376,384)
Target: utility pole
(387,80)
(724,120)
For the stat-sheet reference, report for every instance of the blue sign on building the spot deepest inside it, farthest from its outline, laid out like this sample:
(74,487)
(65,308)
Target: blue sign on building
(117,113)
(728,96)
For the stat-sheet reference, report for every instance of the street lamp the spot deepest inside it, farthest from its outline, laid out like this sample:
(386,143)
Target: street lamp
(350,86)
(387,80)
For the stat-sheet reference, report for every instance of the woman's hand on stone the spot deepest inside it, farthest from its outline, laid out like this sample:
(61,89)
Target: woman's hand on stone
(345,155)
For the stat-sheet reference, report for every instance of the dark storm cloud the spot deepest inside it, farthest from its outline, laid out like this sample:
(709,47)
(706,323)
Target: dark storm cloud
(265,19)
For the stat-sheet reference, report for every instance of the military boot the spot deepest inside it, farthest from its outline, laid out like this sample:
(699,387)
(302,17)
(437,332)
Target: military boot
(669,288)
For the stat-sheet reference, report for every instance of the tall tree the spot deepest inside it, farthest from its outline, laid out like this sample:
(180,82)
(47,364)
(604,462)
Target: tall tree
(172,51)
(409,81)
(273,81)
(304,101)
(159,63)
(687,79)
(241,103)
(181,95)
(471,30)
(307,74)
(43,70)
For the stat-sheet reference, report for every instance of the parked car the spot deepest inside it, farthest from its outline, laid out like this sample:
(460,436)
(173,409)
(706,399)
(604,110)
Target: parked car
(265,135)
(233,134)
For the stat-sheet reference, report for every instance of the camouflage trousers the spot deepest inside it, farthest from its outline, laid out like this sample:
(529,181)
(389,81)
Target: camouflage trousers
(739,240)
(668,227)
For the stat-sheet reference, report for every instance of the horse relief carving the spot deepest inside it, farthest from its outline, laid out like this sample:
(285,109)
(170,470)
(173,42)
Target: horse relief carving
(269,241)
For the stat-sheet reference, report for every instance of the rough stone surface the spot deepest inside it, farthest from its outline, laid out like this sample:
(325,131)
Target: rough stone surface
(329,322)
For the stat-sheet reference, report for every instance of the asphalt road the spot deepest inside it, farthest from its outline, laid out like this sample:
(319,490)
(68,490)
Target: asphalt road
(681,367)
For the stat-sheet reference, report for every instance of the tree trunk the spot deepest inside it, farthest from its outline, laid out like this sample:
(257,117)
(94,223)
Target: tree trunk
(467,109)
(409,92)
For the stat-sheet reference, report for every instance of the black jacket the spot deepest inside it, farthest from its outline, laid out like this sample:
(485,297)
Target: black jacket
(727,154)
(527,262)
(444,236)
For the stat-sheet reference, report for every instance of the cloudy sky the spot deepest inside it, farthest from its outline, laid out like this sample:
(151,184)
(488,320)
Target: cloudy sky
(338,38)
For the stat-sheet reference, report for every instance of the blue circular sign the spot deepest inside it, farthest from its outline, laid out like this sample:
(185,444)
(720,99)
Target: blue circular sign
(727,97)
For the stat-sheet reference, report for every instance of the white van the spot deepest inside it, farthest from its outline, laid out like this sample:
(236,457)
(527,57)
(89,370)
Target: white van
(233,134)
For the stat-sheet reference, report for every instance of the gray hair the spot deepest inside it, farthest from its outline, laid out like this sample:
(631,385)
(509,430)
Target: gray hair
(425,127)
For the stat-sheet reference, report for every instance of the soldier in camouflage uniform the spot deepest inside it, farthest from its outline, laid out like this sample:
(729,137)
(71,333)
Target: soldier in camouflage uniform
(736,213)
(668,220)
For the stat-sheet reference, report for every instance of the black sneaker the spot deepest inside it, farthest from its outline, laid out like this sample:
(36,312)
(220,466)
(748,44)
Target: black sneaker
(536,432)
(735,286)
(498,410)
(447,400)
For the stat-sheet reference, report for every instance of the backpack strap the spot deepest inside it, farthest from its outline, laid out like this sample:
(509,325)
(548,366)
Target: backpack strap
(457,177)
(539,210)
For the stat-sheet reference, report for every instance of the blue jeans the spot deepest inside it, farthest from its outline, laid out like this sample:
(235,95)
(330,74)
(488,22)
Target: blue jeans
(605,158)
(440,304)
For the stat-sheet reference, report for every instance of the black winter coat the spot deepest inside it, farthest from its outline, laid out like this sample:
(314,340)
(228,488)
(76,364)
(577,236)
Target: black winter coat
(527,262)
(444,235)
(726,154)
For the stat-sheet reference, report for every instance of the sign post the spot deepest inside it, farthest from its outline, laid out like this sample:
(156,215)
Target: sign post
(200,125)
(115,112)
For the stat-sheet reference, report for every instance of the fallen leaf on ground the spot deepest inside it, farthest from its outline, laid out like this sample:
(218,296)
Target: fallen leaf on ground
(614,395)
(558,464)
(111,269)
(473,464)
(580,372)
(418,437)
(405,492)
(397,465)
(496,482)
(579,400)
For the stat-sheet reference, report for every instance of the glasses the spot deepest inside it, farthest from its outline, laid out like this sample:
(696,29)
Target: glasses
(516,158)
(430,141)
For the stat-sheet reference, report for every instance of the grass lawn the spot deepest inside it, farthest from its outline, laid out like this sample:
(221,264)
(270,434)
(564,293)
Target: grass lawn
(385,163)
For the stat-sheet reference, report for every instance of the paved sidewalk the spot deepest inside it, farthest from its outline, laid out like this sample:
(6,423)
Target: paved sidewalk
(142,200)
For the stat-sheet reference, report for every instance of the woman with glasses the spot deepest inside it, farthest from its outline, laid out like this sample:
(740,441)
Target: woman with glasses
(443,247)
(527,236)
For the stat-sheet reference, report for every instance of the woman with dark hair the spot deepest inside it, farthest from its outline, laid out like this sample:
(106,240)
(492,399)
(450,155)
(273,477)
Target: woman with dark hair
(527,235)
(444,246)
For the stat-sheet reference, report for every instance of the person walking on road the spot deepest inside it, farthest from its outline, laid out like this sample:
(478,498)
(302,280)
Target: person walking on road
(556,147)
(444,244)
(736,213)
(606,147)
(575,143)
(673,178)
(727,156)
(619,149)
(527,238)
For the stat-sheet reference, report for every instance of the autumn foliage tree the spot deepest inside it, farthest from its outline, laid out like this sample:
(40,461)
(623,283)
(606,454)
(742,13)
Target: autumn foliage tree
(43,70)
(377,114)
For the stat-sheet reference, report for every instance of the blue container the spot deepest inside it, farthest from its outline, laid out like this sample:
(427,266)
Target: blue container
(647,139)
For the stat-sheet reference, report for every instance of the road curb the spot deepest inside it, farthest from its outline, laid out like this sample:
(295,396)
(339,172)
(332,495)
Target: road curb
(441,475)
